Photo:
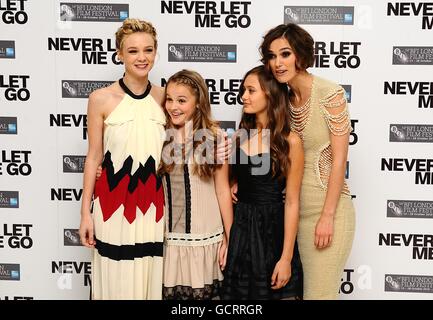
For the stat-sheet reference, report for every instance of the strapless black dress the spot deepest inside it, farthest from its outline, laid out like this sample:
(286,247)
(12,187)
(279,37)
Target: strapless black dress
(257,234)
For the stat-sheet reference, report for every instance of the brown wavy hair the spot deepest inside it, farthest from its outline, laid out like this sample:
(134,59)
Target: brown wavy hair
(299,39)
(278,118)
(201,119)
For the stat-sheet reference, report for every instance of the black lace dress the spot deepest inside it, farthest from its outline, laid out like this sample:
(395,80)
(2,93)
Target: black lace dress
(257,234)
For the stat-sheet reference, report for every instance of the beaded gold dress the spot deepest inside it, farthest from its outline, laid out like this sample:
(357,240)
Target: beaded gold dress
(324,114)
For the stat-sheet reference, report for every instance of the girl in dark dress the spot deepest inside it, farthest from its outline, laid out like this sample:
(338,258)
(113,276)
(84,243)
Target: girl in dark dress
(263,260)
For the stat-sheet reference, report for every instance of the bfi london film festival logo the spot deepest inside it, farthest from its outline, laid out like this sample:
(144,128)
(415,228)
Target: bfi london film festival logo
(424,9)
(15,162)
(412,55)
(13,11)
(81,88)
(90,12)
(7,49)
(423,168)
(211,14)
(73,164)
(324,15)
(201,52)
(423,89)
(409,209)
(71,237)
(9,199)
(422,244)
(411,133)
(340,54)
(221,91)
(408,283)
(9,271)
(16,236)
(15,87)
(8,125)
(70,120)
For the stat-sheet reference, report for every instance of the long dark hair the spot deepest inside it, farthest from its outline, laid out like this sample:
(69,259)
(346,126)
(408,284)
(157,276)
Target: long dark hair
(278,118)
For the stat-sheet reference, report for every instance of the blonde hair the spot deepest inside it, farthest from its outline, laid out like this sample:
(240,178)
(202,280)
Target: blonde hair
(130,26)
(201,119)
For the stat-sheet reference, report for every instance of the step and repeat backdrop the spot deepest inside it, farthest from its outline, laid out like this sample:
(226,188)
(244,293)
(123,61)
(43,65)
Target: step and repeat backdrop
(53,54)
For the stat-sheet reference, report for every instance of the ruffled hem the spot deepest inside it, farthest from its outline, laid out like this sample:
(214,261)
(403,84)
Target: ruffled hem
(194,267)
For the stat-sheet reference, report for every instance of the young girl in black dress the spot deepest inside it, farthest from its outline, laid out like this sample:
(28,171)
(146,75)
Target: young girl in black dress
(263,260)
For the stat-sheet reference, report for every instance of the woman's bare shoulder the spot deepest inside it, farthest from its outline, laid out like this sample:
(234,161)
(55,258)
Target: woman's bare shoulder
(105,98)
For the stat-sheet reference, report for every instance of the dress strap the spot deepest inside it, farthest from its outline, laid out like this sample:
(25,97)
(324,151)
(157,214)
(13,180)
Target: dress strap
(132,94)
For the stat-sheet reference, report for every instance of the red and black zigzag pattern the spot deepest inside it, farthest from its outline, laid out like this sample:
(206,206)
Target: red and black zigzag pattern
(138,190)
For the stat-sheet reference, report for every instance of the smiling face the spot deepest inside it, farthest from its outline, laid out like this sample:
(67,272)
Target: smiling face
(138,53)
(282,60)
(253,97)
(180,103)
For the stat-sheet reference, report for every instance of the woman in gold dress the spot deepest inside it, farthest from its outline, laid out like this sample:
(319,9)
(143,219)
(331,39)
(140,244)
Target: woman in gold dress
(320,116)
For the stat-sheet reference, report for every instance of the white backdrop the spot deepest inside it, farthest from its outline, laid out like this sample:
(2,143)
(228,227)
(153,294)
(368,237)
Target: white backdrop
(381,51)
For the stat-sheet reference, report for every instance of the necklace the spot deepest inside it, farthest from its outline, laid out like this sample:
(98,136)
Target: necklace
(132,94)
(300,116)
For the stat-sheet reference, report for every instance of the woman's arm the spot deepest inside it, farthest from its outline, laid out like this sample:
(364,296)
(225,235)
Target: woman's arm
(282,270)
(222,190)
(95,126)
(338,121)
